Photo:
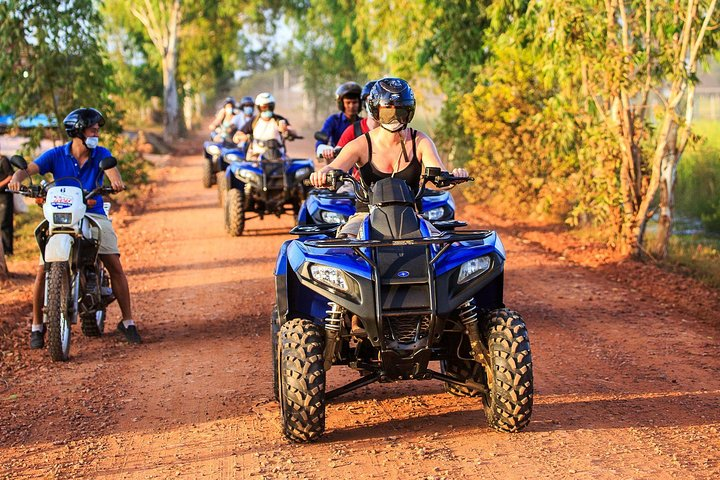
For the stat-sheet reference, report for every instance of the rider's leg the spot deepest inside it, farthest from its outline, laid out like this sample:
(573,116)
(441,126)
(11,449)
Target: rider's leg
(38,296)
(119,283)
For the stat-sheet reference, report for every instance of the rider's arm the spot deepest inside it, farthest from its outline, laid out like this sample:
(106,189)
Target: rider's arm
(429,156)
(218,119)
(115,178)
(21,175)
(349,156)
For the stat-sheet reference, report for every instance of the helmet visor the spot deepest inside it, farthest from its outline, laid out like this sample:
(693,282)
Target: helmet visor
(396,114)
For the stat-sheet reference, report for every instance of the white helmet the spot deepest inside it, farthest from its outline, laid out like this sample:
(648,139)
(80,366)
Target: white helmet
(265,98)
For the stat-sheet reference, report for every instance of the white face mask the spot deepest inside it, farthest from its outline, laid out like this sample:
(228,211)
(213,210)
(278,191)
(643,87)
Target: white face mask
(248,110)
(91,142)
(393,126)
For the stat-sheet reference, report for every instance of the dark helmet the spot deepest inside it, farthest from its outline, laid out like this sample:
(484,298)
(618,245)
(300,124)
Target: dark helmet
(246,102)
(392,92)
(347,90)
(78,120)
(229,100)
(365,92)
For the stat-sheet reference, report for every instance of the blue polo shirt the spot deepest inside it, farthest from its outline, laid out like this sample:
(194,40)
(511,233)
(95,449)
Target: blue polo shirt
(61,163)
(334,127)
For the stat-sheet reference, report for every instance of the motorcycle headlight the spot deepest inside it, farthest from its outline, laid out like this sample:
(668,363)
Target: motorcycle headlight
(434,213)
(213,150)
(62,218)
(303,173)
(232,157)
(332,217)
(332,277)
(473,268)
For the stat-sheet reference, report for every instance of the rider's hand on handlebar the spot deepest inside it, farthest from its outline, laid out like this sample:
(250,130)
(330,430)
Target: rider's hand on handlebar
(325,151)
(460,172)
(318,179)
(117,185)
(15,182)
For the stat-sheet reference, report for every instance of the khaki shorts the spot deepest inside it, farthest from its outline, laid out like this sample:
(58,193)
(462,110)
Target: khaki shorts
(355,222)
(108,238)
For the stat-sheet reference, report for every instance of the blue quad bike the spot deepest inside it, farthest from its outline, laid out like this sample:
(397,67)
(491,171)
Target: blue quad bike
(272,185)
(215,162)
(390,302)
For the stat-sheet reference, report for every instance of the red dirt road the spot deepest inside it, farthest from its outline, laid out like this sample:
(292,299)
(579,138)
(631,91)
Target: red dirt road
(626,383)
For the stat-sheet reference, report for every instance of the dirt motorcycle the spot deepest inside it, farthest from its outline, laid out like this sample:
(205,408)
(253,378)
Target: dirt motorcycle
(271,185)
(388,303)
(76,283)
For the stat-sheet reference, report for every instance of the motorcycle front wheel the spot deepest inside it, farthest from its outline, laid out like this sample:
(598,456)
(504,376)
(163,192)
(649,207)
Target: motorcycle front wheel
(58,311)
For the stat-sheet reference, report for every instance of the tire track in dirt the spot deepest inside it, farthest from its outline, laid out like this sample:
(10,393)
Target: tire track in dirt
(624,388)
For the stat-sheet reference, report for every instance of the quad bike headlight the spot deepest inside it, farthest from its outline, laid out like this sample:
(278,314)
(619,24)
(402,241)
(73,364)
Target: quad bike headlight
(232,157)
(303,173)
(473,268)
(62,218)
(332,217)
(213,150)
(434,214)
(247,176)
(332,277)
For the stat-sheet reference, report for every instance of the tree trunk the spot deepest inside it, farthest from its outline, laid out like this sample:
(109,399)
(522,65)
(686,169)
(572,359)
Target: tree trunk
(666,205)
(171,118)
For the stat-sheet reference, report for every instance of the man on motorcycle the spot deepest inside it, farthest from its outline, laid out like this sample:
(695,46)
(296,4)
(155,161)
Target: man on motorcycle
(266,126)
(347,97)
(80,158)
(390,151)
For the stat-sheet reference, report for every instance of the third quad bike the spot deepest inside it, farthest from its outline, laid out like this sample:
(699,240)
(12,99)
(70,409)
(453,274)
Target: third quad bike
(391,301)
(263,187)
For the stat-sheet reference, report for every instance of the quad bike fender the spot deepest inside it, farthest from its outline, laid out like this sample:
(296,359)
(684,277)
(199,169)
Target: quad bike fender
(58,248)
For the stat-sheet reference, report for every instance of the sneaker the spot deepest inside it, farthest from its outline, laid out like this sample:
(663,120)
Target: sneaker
(37,340)
(131,333)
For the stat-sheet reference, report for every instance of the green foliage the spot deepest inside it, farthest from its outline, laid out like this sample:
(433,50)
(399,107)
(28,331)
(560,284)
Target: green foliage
(52,59)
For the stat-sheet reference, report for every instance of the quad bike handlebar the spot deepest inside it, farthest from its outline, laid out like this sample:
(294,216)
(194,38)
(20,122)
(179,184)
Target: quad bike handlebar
(441,179)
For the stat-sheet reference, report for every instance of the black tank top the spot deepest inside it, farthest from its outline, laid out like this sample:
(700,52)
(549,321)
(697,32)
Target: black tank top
(411,173)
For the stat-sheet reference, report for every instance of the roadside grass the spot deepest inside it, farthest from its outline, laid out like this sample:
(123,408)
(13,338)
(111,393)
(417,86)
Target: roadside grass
(696,255)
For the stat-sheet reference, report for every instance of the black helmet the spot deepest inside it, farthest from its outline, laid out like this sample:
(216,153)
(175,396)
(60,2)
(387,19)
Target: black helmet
(392,92)
(347,90)
(365,92)
(78,120)
(229,100)
(247,102)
